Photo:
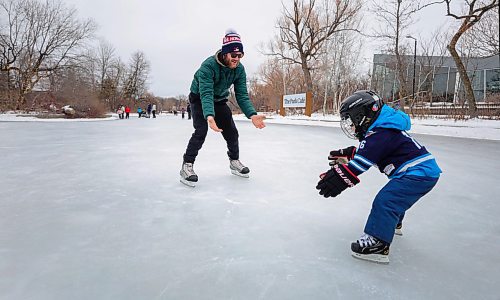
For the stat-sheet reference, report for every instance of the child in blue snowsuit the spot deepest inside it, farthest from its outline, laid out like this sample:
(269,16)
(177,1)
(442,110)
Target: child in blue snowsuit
(384,143)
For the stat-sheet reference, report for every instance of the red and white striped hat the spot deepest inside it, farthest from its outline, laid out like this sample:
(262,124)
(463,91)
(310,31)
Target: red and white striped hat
(231,42)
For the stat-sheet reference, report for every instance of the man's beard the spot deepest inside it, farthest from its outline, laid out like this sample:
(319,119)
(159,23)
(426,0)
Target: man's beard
(228,62)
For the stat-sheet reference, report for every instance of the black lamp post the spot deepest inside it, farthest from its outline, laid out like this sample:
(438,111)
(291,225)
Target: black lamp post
(414,63)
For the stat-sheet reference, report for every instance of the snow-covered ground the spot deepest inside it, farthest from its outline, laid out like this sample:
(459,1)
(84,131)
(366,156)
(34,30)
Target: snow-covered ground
(477,129)
(95,210)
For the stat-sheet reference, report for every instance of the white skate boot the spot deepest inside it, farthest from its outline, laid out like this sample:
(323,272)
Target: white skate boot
(238,169)
(398,230)
(188,176)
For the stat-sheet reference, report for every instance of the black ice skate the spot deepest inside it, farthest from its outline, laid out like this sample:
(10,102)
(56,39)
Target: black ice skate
(237,168)
(370,248)
(188,176)
(398,230)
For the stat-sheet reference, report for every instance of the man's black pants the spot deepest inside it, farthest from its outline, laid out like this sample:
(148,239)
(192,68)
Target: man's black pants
(224,120)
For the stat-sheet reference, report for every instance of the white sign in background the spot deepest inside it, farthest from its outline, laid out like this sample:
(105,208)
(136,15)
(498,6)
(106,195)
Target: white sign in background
(296,100)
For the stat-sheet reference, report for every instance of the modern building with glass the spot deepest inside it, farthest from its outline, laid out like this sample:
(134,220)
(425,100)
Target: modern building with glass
(436,78)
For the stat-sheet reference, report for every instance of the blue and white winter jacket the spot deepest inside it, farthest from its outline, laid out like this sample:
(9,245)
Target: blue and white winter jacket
(389,147)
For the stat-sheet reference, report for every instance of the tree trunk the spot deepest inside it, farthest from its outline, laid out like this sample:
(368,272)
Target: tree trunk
(469,92)
(307,76)
(402,83)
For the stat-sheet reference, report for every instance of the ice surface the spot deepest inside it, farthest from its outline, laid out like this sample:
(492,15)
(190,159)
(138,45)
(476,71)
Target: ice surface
(95,210)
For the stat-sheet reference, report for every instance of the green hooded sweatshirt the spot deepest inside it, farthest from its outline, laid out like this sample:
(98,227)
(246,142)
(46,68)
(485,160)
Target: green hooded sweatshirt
(212,82)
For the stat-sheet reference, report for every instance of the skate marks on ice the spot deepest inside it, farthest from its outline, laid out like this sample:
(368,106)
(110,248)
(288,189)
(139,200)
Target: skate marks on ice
(225,210)
(188,183)
(374,258)
(235,172)
(255,276)
(192,184)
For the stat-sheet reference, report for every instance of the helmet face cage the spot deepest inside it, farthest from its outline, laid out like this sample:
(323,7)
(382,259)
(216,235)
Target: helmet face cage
(348,127)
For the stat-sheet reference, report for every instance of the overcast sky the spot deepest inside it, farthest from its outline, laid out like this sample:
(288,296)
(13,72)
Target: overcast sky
(177,35)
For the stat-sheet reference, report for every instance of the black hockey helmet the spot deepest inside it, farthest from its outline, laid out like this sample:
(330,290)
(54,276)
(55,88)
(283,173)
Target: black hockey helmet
(358,112)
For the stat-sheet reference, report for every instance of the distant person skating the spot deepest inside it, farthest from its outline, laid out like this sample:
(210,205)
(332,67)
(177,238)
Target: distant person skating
(139,111)
(149,108)
(208,96)
(183,112)
(188,109)
(153,110)
(384,143)
(119,111)
(127,112)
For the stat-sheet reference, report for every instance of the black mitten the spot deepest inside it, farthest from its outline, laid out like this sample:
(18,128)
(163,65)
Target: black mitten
(342,156)
(336,180)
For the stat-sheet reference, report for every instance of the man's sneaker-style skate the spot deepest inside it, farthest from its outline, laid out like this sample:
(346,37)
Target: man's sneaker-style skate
(370,248)
(398,230)
(188,176)
(237,168)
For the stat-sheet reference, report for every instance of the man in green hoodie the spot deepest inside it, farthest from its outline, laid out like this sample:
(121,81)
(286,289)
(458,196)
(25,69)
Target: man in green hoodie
(208,98)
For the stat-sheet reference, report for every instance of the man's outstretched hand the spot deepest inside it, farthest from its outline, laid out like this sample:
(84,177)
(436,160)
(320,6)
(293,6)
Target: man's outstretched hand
(258,121)
(212,124)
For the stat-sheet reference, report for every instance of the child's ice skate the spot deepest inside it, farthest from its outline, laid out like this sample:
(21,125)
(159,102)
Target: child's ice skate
(370,248)
(188,176)
(398,230)
(237,168)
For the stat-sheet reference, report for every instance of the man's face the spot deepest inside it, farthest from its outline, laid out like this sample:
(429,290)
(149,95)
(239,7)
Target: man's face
(232,59)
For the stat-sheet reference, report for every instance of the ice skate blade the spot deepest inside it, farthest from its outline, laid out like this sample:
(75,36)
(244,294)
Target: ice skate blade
(398,232)
(234,172)
(188,183)
(376,258)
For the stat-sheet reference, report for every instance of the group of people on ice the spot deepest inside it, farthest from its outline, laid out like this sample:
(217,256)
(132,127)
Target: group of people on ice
(381,131)
(123,112)
(150,111)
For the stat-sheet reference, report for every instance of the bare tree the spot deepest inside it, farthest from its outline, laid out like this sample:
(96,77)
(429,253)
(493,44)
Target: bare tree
(118,75)
(473,14)
(38,38)
(483,37)
(305,27)
(137,76)
(340,62)
(105,59)
(111,74)
(433,52)
(273,75)
(395,16)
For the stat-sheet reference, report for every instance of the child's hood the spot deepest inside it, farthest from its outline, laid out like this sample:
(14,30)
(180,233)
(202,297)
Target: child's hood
(391,118)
